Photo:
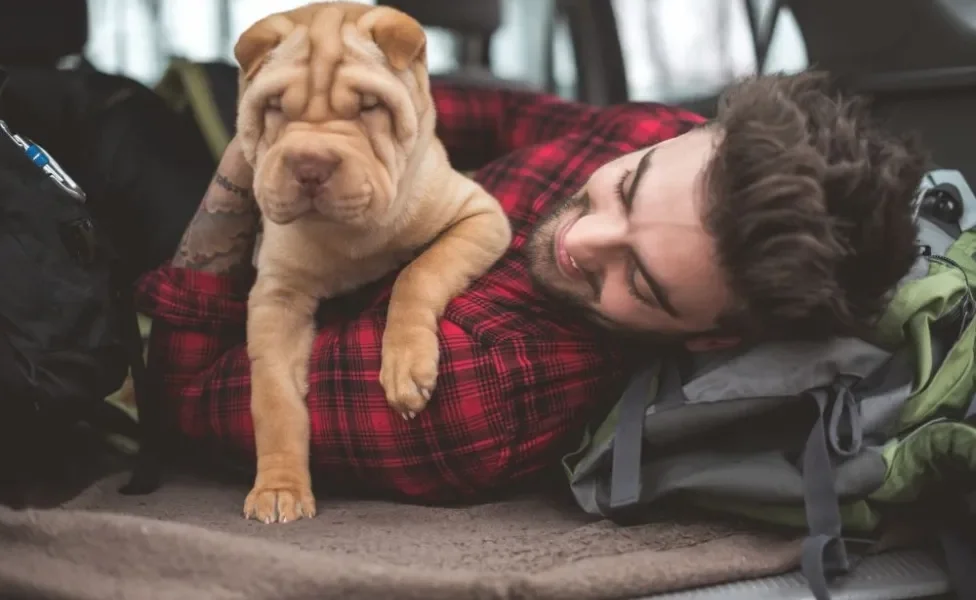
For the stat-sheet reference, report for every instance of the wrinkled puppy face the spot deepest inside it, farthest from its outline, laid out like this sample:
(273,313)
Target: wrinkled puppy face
(334,108)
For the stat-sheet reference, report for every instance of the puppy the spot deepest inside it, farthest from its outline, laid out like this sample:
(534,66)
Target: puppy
(336,117)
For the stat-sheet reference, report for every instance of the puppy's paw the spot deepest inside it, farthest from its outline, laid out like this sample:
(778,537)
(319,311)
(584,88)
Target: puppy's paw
(279,504)
(409,370)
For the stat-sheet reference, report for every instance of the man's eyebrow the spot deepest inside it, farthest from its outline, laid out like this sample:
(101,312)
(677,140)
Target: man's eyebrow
(660,294)
(642,167)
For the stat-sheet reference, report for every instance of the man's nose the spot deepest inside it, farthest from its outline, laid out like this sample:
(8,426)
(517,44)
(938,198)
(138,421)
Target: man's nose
(312,171)
(593,238)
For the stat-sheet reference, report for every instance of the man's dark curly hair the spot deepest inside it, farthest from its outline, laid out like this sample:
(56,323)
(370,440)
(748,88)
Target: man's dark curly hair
(810,204)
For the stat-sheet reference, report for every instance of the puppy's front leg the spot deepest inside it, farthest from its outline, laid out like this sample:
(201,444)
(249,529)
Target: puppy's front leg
(280,331)
(475,238)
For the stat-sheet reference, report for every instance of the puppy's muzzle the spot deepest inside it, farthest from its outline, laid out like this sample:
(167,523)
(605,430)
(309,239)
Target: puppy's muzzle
(312,171)
(319,175)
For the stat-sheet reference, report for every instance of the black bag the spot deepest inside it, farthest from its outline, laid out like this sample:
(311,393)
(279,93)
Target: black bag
(68,332)
(143,165)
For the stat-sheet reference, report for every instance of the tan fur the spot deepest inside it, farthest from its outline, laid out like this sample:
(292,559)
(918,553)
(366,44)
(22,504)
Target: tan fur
(309,79)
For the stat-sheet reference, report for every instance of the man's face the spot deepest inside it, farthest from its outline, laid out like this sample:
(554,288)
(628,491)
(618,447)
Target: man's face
(630,247)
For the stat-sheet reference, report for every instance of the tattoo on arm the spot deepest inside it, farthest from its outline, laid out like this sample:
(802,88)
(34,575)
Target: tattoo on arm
(243,193)
(220,237)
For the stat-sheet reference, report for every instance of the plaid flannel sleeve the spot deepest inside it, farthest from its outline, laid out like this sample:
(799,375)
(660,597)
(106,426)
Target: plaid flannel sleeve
(510,393)
(196,318)
(478,125)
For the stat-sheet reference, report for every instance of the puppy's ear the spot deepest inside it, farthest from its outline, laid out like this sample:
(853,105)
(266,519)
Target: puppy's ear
(258,40)
(399,36)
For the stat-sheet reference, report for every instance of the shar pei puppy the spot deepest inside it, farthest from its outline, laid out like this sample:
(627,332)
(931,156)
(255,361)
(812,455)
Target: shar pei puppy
(336,117)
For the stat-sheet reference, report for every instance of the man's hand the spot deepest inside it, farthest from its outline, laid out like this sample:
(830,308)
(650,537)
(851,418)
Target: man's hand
(220,237)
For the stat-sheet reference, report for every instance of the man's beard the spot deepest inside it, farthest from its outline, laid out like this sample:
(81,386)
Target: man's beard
(541,251)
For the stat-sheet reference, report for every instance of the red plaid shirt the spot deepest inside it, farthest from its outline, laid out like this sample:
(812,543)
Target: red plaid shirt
(518,376)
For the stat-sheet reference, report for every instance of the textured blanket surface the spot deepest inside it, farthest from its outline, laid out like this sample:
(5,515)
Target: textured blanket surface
(189,540)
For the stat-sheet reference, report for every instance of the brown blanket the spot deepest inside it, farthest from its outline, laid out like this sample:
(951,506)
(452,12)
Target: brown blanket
(188,541)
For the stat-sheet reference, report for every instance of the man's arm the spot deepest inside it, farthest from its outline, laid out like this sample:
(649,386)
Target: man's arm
(220,237)
(478,125)
(506,410)
(197,301)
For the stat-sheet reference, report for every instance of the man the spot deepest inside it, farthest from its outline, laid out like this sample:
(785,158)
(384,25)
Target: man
(789,215)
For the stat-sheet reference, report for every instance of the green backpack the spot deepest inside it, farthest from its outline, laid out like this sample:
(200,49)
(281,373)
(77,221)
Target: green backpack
(830,436)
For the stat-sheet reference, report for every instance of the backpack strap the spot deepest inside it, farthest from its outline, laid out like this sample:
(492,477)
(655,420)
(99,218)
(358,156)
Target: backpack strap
(625,479)
(628,439)
(146,474)
(824,551)
(145,477)
(188,84)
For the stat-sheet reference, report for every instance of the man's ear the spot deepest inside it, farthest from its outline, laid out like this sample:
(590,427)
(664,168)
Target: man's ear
(711,343)
(399,36)
(258,40)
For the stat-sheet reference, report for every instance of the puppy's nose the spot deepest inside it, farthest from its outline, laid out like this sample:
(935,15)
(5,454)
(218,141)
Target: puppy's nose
(312,172)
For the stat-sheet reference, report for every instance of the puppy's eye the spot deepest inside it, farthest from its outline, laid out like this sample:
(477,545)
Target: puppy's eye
(368,102)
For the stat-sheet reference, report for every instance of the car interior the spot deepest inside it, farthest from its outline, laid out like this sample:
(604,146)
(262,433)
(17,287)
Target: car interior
(915,60)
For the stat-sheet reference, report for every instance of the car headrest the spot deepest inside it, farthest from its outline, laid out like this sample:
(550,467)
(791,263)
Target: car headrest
(481,17)
(40,32)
